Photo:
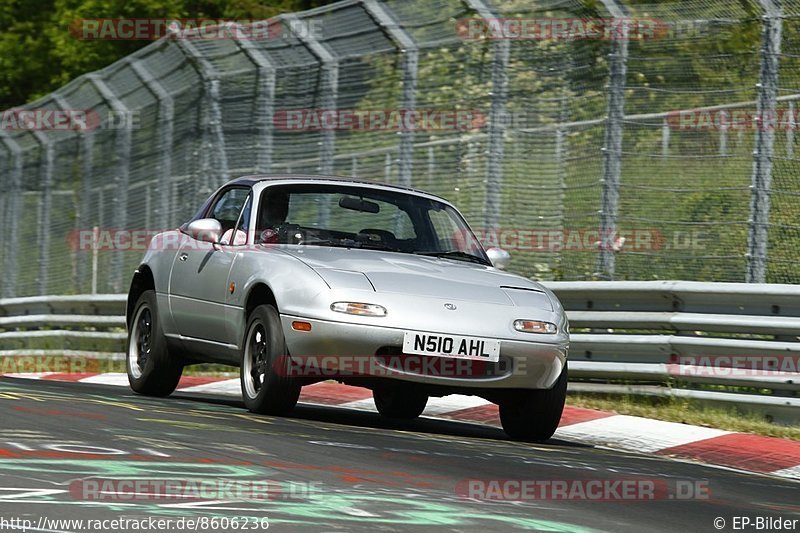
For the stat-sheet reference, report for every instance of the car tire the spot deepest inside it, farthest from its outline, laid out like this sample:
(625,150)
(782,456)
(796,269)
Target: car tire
(399,402)
(266,389)
(535,415)
(151,370)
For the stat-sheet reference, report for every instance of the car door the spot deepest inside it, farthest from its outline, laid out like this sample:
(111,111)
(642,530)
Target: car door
(199,277)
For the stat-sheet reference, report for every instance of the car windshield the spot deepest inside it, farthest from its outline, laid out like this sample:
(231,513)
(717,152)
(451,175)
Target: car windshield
(363,217)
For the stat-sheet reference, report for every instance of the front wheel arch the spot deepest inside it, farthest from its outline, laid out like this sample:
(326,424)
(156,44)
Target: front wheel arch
(142,281)
(260,294)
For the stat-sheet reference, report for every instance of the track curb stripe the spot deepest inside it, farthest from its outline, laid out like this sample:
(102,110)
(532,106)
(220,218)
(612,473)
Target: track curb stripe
(754,453)
(740,450)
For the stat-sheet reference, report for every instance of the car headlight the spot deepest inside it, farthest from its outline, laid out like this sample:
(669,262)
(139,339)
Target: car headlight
(356,308)
(535,326)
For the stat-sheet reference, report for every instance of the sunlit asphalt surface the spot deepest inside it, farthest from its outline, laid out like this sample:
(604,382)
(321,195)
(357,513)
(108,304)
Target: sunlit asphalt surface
(335,469)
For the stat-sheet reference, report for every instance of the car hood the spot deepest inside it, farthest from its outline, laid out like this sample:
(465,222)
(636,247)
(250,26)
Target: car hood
(391,272)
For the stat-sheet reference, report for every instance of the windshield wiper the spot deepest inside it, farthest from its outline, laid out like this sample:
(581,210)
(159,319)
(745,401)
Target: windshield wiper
(350,243)
(457,254)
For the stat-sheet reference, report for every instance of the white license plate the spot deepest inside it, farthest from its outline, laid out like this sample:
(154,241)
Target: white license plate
(456,346)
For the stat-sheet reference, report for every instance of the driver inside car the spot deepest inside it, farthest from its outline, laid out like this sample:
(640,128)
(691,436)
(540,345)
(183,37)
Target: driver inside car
(272,215)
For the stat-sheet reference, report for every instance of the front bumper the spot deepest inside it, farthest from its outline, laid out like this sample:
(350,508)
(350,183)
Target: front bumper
(341,349)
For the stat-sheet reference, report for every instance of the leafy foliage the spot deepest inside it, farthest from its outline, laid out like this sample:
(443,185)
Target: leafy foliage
(38,54)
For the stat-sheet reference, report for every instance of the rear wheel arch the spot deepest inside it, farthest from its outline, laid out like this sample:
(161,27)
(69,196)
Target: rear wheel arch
(143,280)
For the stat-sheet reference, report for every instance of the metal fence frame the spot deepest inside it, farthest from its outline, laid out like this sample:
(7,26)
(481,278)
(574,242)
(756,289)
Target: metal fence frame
(215,167)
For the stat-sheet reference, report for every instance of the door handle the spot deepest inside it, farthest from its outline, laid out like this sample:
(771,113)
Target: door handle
(183,257)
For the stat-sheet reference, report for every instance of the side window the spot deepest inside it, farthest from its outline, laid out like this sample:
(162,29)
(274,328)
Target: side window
(244,218)
(232,211)
(228,206)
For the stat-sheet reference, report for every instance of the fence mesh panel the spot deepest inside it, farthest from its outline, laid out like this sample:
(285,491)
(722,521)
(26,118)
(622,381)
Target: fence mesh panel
(663,148)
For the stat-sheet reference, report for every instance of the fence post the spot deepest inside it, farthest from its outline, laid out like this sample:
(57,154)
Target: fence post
(790,127)
(562,161)
(723,133)
(431,165)
(387,168)
(166,116)
(766,121)
(408,47)
(501,50)
(612,146)
(5,194)
(83,202)
(45,208)
(265,102)
(561,156)
(5,200)
(665,138)
(14,212)
(210,78)
(119,201)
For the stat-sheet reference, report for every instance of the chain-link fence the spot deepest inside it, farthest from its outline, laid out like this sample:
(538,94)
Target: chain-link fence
(661,146)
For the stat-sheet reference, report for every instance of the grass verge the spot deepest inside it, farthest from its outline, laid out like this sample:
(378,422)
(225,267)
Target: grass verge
(683,410)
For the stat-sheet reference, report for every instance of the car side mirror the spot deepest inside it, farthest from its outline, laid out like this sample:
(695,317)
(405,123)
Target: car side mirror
(205,229)
(499,257)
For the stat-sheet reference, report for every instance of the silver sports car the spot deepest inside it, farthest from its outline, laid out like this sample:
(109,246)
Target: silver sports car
(299,279)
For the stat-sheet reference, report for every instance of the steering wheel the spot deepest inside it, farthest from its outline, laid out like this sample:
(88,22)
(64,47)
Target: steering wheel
(378,236)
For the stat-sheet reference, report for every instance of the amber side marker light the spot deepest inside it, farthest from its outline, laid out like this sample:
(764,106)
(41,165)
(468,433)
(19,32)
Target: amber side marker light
(301,326)
(358,308)
(535,326)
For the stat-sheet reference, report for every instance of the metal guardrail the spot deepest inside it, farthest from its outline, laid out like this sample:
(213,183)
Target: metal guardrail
(657,337)
(652,338)
(89,326)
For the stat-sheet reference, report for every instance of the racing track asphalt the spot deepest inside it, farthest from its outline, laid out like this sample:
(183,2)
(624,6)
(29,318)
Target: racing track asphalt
(350,470)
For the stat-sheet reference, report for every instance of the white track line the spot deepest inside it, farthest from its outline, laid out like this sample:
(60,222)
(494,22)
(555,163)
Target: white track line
(228,387)
(435,407)
(455,402)
(110,378)
(32,375)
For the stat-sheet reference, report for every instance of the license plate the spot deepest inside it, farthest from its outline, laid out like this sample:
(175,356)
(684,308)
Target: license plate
(456,346)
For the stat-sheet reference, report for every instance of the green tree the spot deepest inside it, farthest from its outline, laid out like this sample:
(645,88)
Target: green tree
(38,54)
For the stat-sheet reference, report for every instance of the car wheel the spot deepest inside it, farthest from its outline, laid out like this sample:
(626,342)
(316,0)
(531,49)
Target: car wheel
(535,415)
(151,369)
(265,388)
(399,402)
